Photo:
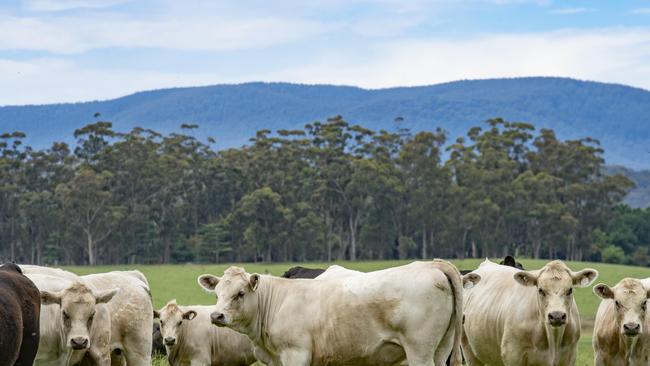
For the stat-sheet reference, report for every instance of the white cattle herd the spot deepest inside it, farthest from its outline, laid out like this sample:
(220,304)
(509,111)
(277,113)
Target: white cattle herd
(424,313)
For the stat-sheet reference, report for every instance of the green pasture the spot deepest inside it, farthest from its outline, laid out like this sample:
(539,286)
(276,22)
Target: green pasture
(179,282)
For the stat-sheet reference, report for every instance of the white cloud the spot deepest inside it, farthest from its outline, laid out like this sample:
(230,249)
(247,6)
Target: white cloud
(567,11)
(75,35)
(59,5)
(611,55)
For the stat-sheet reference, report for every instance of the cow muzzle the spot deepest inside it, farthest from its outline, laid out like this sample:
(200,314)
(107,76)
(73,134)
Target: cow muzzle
(79,343)
(170,341)
(557,318)
(631,329)
(218,319)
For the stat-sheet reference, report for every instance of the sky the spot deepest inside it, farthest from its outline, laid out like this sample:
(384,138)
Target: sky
(55,51)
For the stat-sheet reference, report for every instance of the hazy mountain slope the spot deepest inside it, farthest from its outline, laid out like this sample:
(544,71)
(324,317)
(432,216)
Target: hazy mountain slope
(617,115)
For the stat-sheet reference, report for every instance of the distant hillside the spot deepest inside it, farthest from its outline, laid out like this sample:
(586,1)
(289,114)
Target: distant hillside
(617,115)
(640,195)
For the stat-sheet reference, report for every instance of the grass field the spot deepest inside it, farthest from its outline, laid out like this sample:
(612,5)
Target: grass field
(179,282)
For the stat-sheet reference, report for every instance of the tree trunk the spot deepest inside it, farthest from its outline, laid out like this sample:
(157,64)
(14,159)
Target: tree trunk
(424,243)
(353,238)
(537,246)
(91,248)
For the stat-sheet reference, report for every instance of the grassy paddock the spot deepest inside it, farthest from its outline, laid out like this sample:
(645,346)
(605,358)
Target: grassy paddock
(179,282)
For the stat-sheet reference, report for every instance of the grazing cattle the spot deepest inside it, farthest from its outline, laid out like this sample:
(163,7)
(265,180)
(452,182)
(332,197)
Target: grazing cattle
(131,315)
(157,345)
(621,331)
(74,322)
(20,307)
(191,339)
(410,313)
(302,272)
(507,261)
(514,317)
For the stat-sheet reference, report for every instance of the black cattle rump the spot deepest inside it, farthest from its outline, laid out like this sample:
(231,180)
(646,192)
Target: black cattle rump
(20,309)
(302,272)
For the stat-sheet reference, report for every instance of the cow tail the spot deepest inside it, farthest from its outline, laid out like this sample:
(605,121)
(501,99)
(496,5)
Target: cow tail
(456,283)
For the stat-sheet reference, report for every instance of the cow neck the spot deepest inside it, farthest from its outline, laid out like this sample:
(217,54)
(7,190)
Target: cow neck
(630,346)
(554,338)
(268,298)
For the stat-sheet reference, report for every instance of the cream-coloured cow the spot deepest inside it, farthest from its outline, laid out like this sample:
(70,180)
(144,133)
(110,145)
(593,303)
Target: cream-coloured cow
(191,339)
(74,322)
(516,318)
(131,315)
(407,313)
(622,329)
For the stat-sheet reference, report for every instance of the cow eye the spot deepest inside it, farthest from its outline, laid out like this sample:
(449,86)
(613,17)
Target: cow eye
(161,323)
(618,304)
(65,315)
(541,292)
(644,305)
(569,292)
(180,322)
(241,293)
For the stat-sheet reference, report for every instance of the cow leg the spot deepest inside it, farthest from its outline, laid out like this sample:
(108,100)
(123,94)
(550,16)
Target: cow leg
(136,356)
(295,356)
(265,357)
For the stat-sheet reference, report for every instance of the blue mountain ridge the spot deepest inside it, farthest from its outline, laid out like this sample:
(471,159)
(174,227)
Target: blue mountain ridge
(617,115)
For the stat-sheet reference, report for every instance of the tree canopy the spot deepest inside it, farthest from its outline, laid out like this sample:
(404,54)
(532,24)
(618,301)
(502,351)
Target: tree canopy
(332,190)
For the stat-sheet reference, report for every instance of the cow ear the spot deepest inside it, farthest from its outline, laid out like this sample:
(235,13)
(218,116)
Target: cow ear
(208,282)
(189,315)
(526,278)
(603,291)
(156,314)
(584,278)
(50,298)
(253,281)
(103,297)
(470,280)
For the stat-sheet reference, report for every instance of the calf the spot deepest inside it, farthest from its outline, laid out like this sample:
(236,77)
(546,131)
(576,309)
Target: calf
(74,322)
(514,317)
(20,307)
(190,338)
(130,311)
(410,313)
(621,328)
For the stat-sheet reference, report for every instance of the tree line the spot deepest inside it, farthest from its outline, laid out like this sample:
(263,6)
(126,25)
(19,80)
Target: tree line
(329,191)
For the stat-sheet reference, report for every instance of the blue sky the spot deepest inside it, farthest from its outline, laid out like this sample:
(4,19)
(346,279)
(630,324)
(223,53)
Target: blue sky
(76,50)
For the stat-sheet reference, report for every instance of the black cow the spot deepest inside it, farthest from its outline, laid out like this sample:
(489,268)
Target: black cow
(20,309)
(157,347)
(507,261)
(302,272)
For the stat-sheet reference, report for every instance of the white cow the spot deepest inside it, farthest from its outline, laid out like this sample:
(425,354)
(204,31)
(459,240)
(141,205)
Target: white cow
(407,313)
(131,315)
(191,340)
(621,331)
(515,317)
(74,322)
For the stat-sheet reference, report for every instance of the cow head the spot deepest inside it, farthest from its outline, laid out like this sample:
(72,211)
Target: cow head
(172,321)
(78,305)
(236,300)
(555,283)
(630,303)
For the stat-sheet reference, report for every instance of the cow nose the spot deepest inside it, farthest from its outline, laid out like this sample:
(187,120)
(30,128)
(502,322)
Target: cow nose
(557,318)
(170,341)
(79,343)
(218,318)
(631,329)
